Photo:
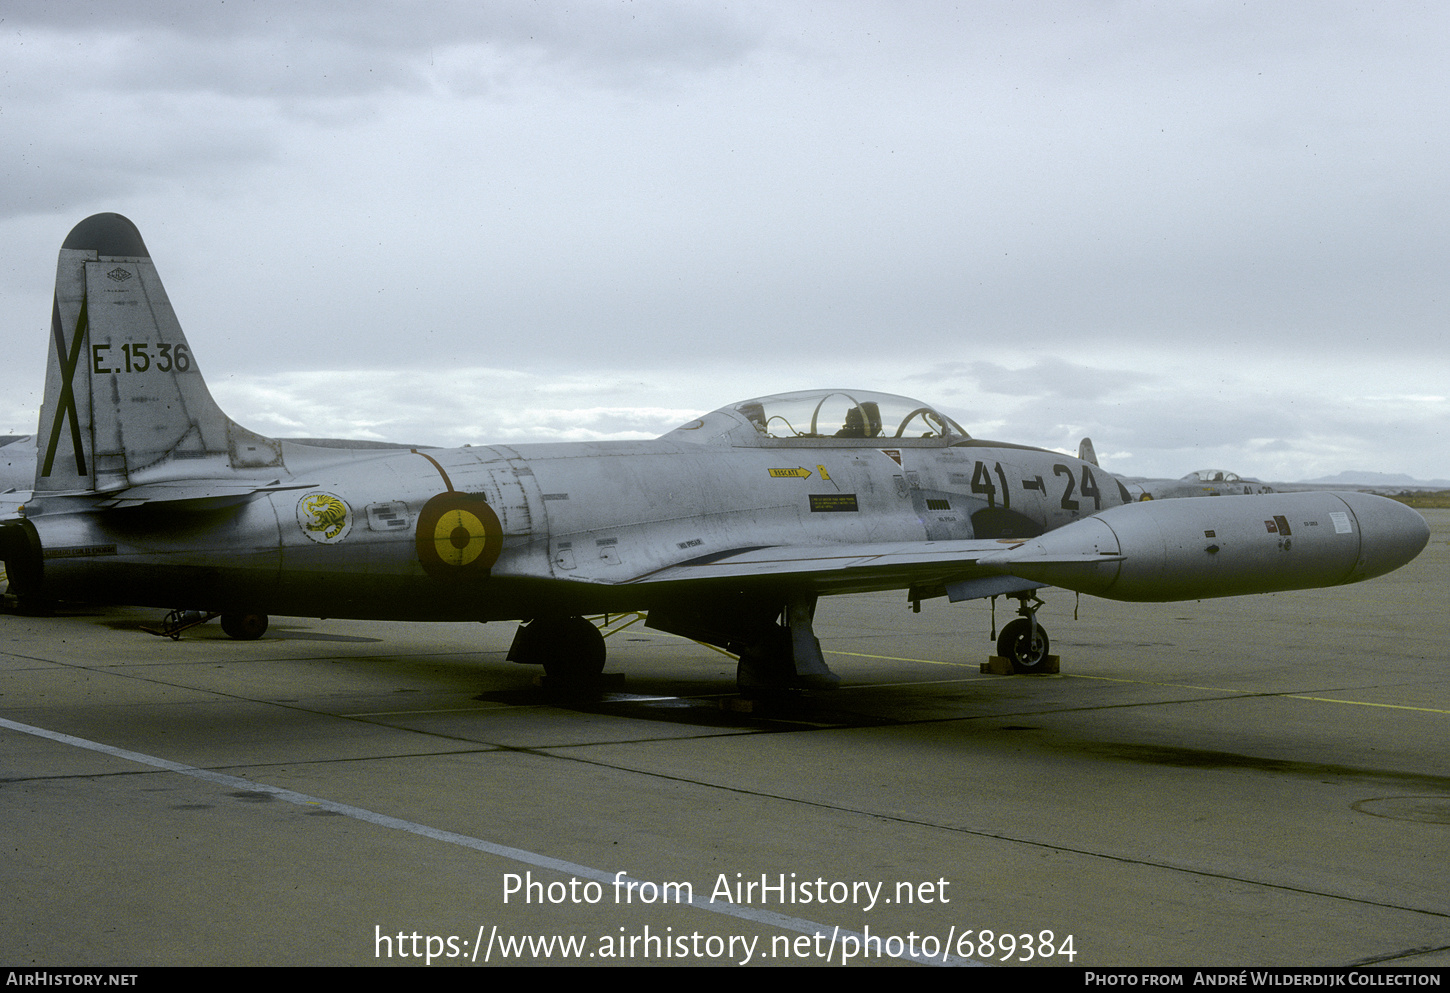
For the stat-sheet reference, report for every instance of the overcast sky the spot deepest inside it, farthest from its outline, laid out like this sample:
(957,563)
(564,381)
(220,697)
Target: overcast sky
(1207,234)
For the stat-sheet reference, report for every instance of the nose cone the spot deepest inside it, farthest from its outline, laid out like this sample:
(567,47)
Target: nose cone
(1390,534)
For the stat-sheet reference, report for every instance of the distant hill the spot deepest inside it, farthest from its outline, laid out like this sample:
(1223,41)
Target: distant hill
(1377,480)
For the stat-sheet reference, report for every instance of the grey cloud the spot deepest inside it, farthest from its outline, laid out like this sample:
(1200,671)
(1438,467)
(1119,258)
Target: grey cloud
(114,100)
(312,49)
(1047,377)
(1173,226)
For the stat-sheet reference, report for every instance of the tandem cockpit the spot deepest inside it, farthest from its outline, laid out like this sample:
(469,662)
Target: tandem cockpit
(825,418)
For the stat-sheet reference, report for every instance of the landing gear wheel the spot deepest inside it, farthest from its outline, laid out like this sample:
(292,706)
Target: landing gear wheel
(570,649)
(244,627)
(1018,645)
(767,668)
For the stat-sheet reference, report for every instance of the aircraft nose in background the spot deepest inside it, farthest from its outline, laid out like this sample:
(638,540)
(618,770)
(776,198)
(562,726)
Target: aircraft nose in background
(1391,533)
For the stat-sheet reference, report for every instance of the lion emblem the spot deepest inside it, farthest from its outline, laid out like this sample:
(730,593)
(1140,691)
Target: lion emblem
(324,518)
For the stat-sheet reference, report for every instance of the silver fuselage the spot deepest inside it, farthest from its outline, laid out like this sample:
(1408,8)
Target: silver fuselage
(585,526)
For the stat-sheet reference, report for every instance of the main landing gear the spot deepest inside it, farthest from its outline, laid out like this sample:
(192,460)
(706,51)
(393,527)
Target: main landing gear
(570,648)
(777,649)
(785,656)
(770,635)
(1023,642)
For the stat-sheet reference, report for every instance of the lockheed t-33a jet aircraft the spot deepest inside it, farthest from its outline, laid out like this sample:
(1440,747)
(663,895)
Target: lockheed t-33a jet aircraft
(725,530)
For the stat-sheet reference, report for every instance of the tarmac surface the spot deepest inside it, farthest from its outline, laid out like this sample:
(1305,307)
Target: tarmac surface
(1246,782)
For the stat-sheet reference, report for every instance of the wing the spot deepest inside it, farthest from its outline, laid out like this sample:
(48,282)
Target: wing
(857,568)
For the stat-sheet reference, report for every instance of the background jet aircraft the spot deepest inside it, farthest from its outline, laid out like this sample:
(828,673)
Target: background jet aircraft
(1204,482)
(725,530)
(17,472)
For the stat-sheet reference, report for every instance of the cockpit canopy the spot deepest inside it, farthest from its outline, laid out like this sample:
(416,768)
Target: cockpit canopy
(826,418)
(1213,476)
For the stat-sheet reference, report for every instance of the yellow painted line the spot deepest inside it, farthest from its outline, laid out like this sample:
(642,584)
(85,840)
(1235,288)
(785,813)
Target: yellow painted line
(1286,696)
(611,631)
(1177,686)
(437,710)
(981,677)
(1366,703)
(702,644)
(893,658)
(1108,679)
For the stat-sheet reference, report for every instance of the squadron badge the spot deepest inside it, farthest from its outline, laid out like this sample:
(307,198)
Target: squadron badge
(324,518)
(459,536)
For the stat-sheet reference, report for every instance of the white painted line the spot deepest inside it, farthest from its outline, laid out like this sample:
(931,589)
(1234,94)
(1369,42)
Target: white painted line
(742,912)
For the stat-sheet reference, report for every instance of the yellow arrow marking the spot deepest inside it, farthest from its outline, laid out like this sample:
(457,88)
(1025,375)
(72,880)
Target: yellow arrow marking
(799,473)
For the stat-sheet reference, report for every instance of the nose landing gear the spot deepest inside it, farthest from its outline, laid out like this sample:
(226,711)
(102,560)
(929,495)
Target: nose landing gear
(1024,642)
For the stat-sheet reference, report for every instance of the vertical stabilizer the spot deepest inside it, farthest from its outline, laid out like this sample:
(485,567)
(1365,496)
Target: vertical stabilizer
(124,400)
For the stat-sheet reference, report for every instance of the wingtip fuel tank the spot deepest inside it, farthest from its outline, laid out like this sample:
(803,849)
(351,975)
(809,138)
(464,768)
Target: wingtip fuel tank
(1164,550)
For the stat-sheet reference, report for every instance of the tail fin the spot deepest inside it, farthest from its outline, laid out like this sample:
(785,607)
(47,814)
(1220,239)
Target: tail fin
(1085,451)
(124,400)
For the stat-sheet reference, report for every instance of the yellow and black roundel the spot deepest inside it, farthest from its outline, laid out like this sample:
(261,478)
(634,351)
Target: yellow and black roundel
(459,536)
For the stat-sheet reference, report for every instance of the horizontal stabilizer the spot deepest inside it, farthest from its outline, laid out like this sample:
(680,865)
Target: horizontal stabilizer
(202,492)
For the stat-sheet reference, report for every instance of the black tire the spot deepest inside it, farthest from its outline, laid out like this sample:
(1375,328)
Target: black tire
(244,627)
(571,649)
(1016,645)
(767,667)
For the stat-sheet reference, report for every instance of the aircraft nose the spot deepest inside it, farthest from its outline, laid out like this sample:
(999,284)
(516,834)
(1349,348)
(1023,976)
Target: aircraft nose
(1390,534)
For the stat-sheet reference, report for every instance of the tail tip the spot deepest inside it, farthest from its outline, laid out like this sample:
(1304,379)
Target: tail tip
(108,235)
